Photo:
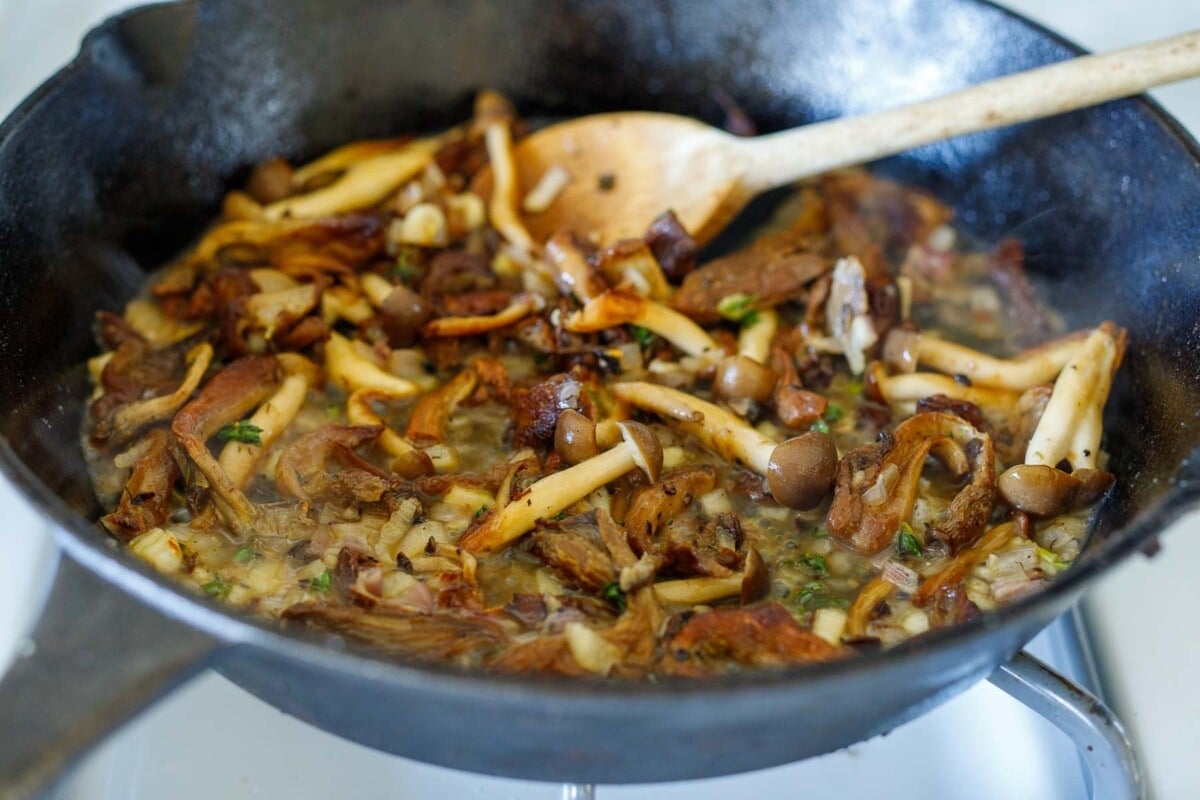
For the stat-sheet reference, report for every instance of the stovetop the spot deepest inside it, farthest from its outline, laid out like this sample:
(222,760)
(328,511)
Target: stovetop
(211,739)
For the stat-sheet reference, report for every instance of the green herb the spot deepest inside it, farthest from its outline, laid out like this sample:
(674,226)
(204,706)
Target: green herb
(644,337)
(560,515)
(333,410)
(816,563)
(613,594)
(246,554)
(404,269)
(815,594)
(321,582)
(833,414)
(820,532)
(854,388)
(749,319)
(907,543)
(241,431)
(820,426)
(479,512)
(1052,562)
(736,307)
(217,588)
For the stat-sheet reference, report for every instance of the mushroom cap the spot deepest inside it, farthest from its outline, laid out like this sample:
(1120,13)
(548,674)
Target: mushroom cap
(402,314)
(743,378)
(801,470)
(575,437)
(1038,489)
(647,450)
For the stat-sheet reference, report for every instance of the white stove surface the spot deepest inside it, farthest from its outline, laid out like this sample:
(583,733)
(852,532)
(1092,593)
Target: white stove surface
(211,739)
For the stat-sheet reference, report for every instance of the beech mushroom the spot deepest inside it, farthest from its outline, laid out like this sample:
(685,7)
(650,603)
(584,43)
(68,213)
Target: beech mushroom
(427,423)
(402,312)
(502,208)
(239,459)
(754,337)
(796,472)
(902,392)
(752,584)
(617,307)
(350,370)
(740,378)
(1072,423)
(1046,491)
(848,312)
(639,448)
(630,265)
(572,273)
(362,184)
(408,461)
(876,485)
(906,350)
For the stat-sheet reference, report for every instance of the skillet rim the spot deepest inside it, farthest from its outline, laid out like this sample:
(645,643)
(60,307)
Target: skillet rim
(82,540)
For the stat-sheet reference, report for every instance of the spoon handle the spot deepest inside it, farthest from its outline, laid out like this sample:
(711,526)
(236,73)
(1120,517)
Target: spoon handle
(781,158)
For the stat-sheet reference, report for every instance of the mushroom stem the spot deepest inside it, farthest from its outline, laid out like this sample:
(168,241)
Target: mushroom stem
(239,459)
(901,392)
(1072,423)
(505,187)
(716,428)
(409,462)
(638,449)
(572,273)
(618,307)
(350,370)
(1026,369)
(754,340)
(362,184)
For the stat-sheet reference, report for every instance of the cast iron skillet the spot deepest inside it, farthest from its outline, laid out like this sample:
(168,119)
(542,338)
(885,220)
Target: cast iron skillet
(119,160)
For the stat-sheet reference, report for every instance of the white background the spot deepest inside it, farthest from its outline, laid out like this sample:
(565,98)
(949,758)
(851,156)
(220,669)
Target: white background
(1147,613)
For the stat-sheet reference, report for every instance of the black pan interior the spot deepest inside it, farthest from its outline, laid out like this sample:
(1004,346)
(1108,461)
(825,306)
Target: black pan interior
(122,159)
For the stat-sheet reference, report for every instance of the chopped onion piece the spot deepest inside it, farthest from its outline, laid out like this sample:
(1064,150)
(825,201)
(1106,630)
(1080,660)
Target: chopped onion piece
(548,188)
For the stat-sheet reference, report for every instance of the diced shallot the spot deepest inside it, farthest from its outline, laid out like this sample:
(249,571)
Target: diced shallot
(903,578)
(549,187)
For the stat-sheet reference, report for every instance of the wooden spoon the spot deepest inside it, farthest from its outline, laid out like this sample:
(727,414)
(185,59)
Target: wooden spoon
(626,168)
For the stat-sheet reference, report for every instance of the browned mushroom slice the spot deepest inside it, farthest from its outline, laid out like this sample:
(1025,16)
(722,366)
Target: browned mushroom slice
(673,247)
(876,484)
(953,572)
(521,306)
(426,636)
(131,418)
(775,268)
(545,654)
(574,554)
(654,505)
(428,421)
(869,597)
(227,397)
(146,500)
(301,470)
(408,462)
(573,275)
(760,636)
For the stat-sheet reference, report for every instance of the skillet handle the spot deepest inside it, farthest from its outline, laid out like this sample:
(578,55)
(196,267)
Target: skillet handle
(94,659)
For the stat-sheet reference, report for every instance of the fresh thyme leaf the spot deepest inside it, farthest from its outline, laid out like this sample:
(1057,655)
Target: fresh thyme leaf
(833,414)
(218,587)
(820,426)
(246,554)
(907,543)
(613,594)
(749,319)
(736,307)
(816,563)
(479,512)
(240,431)
(321,582)
(644,337)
